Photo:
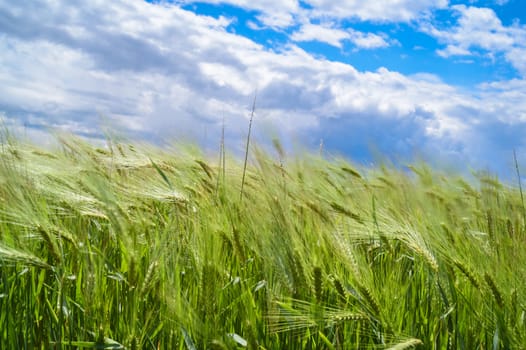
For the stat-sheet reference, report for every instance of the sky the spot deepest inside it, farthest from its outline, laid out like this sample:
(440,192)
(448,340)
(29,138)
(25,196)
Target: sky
(439,80)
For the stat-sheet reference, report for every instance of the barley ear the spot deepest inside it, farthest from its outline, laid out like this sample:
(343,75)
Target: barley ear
(318,284)
(408,344)
(494,290)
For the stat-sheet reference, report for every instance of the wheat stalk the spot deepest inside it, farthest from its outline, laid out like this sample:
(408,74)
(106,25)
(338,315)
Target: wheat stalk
(247,147)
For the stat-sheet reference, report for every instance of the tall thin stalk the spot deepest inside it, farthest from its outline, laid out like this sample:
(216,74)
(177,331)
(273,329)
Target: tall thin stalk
(520,185)
(221,172)
(248,144)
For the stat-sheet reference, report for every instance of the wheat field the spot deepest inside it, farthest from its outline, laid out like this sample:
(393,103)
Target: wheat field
(131,246)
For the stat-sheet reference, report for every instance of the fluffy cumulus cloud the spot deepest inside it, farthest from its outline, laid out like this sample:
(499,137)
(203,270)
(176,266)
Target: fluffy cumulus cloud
(480,29)
(368,40)
(381,10)
(280,14)
(328,33)
(158,71)
(283,13)
(272,13)
(323,33)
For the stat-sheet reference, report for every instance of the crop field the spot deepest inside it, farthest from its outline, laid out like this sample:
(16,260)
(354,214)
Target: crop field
(130,246)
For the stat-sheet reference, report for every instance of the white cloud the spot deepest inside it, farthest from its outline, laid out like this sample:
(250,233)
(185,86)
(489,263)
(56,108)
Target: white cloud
(225,76)
(481,29)
(278,14)
(517,57)
(453,50)
(368,40)
(379,10)
(282,14)
(330,34)
(273,13)
(505,100)
(159,71)
(323,33)
(277,19)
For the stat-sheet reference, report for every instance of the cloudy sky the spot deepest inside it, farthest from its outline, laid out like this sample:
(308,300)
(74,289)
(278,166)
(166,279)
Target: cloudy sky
(444,80)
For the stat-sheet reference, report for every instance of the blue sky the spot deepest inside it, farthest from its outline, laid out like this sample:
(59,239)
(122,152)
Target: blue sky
(434,79)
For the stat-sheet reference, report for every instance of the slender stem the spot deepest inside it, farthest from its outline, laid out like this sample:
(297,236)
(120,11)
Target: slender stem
(223,151)
(248,144)
(221,171)
(520,185)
